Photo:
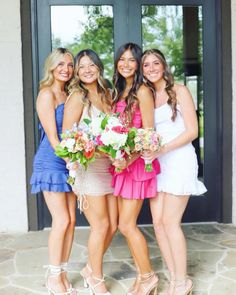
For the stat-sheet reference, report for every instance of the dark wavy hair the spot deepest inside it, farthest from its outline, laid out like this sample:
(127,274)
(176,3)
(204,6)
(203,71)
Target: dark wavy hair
(102,85)
(167,76)
(120,82)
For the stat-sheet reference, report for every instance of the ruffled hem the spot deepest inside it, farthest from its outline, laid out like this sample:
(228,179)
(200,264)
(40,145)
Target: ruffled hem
(49,181)
(128,188)
(197,188)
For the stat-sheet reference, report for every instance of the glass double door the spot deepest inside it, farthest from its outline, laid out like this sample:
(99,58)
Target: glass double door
(183,30)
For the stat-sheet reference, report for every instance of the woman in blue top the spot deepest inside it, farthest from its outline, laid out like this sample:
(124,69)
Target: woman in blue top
(49,171)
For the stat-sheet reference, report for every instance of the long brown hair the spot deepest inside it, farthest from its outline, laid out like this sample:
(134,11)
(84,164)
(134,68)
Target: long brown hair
(167,76)
(102,86)
(120,82)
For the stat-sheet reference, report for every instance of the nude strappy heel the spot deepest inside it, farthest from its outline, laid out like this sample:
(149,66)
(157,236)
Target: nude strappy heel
(133,289)
(182,283)
(146,288)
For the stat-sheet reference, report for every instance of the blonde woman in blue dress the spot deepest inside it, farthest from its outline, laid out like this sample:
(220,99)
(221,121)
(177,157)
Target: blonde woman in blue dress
(49,171)
(176,122)
(91,97)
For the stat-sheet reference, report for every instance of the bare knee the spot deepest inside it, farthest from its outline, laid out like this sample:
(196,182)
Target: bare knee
(100,227)
(171,225)
(158,225)
(126,229)
(61,222)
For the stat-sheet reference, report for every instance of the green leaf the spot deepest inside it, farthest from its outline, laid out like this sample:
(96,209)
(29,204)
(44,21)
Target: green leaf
(87,121)
(104,122)
(113,153)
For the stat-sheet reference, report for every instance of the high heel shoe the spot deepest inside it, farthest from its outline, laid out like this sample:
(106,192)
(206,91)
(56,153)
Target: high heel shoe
(183,283)
(85,277)
(93,286)
(148,284)
(53,271)
(64,269)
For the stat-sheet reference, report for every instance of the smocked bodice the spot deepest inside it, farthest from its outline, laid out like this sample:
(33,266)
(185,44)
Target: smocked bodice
(167,128)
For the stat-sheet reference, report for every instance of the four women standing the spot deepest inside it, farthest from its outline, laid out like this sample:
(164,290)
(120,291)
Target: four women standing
(172,111)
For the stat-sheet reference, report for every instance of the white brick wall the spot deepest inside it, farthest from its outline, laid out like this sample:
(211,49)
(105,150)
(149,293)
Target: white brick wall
(233,19)
(13,205)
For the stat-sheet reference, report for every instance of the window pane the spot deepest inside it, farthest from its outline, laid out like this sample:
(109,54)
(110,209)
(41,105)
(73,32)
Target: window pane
(80,27)
(176,30)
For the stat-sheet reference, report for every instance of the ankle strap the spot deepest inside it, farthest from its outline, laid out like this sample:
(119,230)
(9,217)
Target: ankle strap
(146,276)
(52,270)
(89,268)
(180,282)
(64,266)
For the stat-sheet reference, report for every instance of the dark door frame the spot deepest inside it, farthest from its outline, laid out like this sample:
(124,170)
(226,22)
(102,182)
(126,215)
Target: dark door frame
(223,89)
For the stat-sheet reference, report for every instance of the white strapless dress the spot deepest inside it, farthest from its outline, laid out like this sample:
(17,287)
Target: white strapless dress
(179,168)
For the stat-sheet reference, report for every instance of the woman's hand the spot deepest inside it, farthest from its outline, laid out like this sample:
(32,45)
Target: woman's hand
(150,156)
(72,165)
(119,163)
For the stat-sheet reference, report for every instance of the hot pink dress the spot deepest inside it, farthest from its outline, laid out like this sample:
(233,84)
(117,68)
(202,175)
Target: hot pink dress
(134,182)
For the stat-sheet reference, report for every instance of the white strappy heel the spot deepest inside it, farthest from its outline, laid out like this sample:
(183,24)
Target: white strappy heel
(92,287)
(85,278)
(64,268)
(52,272)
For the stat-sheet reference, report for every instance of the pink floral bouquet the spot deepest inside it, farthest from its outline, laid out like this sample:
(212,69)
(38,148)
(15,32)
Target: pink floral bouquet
(78,145)
(147,139)
(112,137)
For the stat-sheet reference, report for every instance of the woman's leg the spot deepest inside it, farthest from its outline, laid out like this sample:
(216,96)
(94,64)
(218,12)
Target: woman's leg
(173,210)
(112,209)
(57,205)
(156,206)
(128,214)
(97,217)
(71,207)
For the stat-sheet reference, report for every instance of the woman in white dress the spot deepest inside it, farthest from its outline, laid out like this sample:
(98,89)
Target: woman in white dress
(176,122)
(89,98)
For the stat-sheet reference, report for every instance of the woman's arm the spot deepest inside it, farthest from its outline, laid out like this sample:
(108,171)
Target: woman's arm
(45,106)
(72,111)
(146,105)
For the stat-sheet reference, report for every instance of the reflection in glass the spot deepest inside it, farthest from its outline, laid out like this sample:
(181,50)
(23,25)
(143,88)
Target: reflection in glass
(177,32)
(80,27)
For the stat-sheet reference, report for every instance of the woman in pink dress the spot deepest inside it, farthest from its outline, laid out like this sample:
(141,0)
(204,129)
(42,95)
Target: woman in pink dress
(135,103)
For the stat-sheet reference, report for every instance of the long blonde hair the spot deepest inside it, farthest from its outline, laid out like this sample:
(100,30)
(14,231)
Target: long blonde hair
(102,86)
(51,63)
(167,76)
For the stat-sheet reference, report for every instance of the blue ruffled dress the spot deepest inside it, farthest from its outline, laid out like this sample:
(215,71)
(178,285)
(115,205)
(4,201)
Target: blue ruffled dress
(49,171)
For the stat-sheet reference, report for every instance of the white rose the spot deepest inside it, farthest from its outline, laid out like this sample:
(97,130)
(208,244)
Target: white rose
(70,144)
(113,121)
(96,126)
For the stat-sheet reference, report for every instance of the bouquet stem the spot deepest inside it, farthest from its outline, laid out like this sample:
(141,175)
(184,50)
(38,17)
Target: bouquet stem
(148,166)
